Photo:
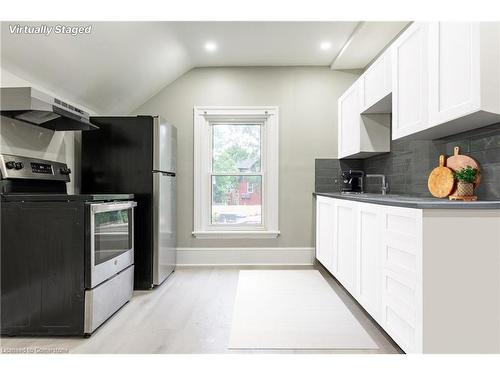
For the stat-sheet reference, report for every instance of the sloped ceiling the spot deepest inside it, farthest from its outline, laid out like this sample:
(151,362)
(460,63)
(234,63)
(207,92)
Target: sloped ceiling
(122,64)
(366,42)
(111,70)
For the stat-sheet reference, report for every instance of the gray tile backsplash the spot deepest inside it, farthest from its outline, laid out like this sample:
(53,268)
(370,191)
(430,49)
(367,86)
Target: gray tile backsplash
(409,163)
(327,173)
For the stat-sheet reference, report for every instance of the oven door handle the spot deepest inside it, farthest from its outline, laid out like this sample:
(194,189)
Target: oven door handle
(113,206)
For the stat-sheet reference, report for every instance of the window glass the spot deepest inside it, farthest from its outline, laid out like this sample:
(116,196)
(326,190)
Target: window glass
(236,148)
(232,203)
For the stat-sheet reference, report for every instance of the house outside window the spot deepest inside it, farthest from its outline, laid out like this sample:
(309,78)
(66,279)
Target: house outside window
(236,172)
(250,189)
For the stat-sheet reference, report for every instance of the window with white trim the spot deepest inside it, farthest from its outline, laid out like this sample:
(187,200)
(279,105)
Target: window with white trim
(235,172)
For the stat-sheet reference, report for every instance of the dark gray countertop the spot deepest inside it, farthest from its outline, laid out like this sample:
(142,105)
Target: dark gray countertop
(414,202)
(47,197)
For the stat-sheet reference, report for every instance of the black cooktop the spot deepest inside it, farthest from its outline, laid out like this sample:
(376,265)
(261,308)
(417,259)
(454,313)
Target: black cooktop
(42,197)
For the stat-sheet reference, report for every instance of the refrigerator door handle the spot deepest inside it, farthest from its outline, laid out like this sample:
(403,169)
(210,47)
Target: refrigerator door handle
(169,174)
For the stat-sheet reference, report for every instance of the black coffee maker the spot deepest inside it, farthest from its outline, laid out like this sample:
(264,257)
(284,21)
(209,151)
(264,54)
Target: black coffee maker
(352,181)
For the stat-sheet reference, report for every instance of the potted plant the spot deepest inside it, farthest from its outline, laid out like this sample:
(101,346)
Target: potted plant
(465,178)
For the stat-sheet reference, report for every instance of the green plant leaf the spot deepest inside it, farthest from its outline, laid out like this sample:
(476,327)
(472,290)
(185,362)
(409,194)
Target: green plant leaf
(467,174)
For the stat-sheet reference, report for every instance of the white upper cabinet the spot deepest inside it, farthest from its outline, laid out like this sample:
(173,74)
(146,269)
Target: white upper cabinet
(453,70)
(360,136)
(409,81)
(437,79)
(376,87)
(464,74)
(446,78)
(349,122)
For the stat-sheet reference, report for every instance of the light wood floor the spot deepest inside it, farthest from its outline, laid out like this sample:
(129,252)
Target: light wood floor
(190,313)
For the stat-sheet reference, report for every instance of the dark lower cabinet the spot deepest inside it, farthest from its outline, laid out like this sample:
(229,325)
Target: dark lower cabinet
(42,268)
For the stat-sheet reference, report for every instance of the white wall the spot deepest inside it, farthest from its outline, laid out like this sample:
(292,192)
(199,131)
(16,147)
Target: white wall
(20,138)
(307,100)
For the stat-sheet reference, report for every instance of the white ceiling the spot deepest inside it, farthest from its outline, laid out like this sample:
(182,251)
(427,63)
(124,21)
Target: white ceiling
(122,64)
(264,43)
(365,43)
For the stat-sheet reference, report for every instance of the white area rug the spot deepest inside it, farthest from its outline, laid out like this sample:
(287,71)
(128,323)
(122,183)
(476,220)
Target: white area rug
(292,309)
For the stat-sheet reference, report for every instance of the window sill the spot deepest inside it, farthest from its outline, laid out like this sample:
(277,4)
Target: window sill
(235,234)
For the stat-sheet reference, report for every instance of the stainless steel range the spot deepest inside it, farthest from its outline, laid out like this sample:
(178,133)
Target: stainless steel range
(67,261)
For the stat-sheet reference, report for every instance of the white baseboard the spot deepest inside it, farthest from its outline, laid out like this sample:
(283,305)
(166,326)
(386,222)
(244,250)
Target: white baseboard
(257,256)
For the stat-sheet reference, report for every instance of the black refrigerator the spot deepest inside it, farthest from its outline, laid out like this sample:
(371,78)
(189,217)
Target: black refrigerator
(137,155)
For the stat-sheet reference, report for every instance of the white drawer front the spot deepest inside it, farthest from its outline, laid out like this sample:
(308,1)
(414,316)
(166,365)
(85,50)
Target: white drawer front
(401,221)
(399,304)
(400,254)
(402,277)
(402,243)
(397,257)
(400,290)
(398,328)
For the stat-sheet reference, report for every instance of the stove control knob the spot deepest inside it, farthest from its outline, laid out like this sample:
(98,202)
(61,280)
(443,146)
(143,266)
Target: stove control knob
(65,171)
(19,165)
(10,165)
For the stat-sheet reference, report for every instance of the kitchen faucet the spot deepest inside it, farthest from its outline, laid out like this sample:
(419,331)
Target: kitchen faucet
(385,185)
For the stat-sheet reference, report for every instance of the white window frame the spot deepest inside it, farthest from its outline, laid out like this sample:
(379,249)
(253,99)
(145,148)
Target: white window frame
(204,117)
(250,187)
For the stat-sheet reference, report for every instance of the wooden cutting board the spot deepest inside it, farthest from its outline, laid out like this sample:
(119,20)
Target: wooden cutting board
(440,182)
(457,162)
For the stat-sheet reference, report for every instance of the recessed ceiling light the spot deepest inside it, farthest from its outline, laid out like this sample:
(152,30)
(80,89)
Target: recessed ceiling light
(325,45)
(210,46)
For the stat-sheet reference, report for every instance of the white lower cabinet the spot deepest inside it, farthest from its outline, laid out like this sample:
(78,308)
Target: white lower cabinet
(324,232)
(368,255)
(401,264)
(413,278)
(344,239)
(374,251)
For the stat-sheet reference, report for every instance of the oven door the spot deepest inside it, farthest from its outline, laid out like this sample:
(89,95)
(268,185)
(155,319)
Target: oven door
(111,240)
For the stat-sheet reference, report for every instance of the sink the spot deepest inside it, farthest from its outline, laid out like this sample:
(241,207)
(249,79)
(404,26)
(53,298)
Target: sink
(371,195)
(390,197)
(380,197)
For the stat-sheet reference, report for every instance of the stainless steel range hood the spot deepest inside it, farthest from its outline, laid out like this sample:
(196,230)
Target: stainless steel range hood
(35,107)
